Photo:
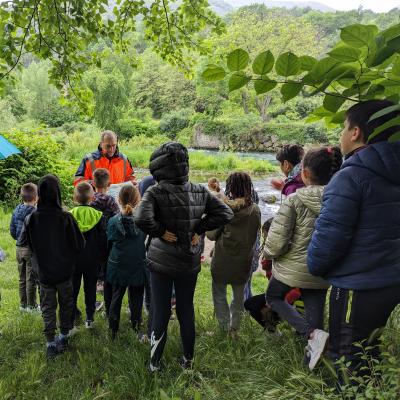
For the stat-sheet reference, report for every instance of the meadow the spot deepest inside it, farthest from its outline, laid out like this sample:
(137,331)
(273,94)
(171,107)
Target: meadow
(254,366)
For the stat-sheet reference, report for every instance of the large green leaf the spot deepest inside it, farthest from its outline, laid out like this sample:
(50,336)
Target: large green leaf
(213,73)
(320,69)
(389,124)
(333,103)
(345,54)
(264,85)
(358,35)
(287,64)
(307,63)
(384,112)
(391,32)
(263,63)
(290,90)
(238,80)
(237,60)
(394,138)
(339,117)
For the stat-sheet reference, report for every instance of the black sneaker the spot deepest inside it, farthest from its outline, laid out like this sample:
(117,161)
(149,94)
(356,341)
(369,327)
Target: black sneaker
(61,343)
(186,363)
(52,352)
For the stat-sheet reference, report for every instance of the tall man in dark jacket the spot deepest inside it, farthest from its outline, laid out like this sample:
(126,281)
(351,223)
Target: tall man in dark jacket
(356,242)
(175,213)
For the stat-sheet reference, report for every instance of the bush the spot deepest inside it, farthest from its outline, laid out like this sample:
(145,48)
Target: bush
(70,127)
(7,119)
(130,127)
(173,122)
(40,156)
(185,136)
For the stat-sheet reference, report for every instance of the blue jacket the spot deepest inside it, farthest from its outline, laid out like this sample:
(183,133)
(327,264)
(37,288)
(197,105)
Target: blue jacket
(17,221)
(356,242)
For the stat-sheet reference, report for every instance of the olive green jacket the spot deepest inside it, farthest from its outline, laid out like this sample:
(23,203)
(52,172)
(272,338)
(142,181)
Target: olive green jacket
(234,243)
(289,236)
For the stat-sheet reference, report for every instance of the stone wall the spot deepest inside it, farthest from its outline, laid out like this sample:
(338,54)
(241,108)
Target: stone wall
(253,141)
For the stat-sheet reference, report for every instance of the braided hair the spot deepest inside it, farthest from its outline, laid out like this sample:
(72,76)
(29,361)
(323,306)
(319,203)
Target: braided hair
(323,163)
(239,185)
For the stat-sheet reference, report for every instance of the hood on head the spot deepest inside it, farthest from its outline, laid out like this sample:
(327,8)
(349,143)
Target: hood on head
(170,162)
(87,217)
(382,158)
(49,192)
(311,197)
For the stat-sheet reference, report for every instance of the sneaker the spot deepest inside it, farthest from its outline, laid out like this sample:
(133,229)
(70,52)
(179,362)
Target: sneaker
(154,368)
(22,308)
(99,305)
(62,343)
(186,363)
(89,324)
(73,331)
(317,347)
(52,350)
(143,338)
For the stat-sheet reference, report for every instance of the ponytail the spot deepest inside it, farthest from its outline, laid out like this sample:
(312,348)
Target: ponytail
(129,198)
(323,163)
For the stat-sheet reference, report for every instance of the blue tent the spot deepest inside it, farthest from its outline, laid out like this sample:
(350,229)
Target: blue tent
(7,149)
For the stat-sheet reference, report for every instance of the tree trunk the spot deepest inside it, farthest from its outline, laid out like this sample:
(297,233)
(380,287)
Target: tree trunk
(245,98)
(262,107)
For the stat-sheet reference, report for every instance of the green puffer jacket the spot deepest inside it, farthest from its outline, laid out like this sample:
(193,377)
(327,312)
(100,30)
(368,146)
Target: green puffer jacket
(234,245)
(289,236)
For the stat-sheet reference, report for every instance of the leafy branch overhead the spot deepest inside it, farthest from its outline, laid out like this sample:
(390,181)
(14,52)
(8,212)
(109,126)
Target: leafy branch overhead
(363,65)
(62,31)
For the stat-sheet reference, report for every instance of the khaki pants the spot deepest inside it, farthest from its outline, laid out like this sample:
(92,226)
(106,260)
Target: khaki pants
(27,278)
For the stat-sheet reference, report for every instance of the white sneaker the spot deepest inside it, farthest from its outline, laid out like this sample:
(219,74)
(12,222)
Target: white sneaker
(89,324)
(73,331)
(23,309)
(316,347)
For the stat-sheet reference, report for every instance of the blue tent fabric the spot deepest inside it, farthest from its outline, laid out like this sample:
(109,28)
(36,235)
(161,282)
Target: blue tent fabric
(7,149)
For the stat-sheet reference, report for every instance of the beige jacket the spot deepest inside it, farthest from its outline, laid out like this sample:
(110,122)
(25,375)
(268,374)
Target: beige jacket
(289,236)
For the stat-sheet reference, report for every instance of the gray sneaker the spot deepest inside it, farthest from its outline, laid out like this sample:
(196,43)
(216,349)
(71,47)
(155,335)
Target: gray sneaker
(316,347)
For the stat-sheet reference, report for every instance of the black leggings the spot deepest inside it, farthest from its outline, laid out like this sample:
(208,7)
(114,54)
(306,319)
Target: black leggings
(89,275)
(135,299)
(161,293)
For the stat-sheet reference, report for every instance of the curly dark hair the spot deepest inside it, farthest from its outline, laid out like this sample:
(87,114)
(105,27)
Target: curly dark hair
(323,163)
(290,152)
(238,185)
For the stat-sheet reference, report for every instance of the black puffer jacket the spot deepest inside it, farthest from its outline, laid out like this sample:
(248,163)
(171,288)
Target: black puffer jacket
(180,207)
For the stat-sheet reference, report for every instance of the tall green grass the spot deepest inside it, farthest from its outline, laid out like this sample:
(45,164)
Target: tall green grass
(255,366)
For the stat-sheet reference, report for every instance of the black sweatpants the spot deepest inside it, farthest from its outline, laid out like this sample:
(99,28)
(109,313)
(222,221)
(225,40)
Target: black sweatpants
(51,296)
(353,316)
(255,306)
(161,288)
(135,299)
(89,275)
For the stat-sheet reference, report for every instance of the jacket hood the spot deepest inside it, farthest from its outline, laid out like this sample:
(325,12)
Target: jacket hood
(86,217)
(49,193)
(126,226)
(311,197)
(170,162)
(382,158)
(239,207)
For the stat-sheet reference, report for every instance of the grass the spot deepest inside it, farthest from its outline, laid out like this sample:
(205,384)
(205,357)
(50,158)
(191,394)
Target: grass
(256,366)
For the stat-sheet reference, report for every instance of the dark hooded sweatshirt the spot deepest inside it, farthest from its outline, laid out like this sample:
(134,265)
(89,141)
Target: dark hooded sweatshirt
(93,226)
(53,235)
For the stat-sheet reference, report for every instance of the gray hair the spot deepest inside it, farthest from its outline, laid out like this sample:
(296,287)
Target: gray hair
(108,134)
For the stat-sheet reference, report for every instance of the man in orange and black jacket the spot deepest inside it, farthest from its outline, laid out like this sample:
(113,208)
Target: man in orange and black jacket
(107,156)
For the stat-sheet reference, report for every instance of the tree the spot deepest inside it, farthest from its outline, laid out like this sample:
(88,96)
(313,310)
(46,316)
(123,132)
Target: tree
(363,65)
(61,30)
(256,28)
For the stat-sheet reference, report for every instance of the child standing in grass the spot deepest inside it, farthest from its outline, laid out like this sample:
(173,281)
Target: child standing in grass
(127,260)
(109,207)
(93,226)
(233,253)
(27,276)
(287,243)
(55,240)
